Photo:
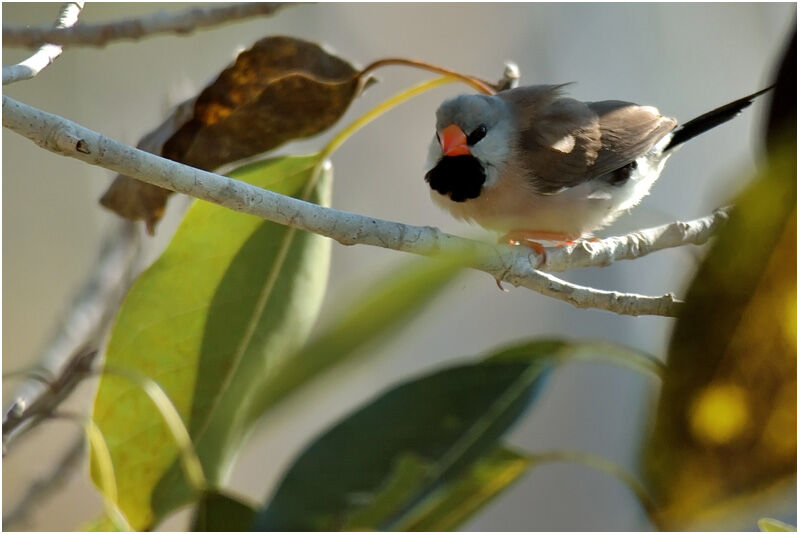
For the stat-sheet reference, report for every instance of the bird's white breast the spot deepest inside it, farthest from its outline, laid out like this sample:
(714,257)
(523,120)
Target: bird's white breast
(511,204)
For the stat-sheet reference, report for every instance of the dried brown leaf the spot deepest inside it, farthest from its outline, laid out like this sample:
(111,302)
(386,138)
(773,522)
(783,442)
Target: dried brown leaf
(281,89)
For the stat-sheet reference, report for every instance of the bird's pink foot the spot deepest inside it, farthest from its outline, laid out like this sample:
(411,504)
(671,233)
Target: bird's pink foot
(531,239)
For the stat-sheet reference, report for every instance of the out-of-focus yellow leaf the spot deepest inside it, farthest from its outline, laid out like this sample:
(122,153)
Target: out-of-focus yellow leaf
(726,429)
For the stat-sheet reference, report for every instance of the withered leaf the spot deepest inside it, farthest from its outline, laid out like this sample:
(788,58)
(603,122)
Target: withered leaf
(137,200)
(283,88)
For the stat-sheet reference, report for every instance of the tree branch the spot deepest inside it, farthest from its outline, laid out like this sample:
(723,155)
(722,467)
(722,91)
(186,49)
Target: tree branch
(83,326)
(513,264)
(24,415)
(47,53)
(588,253)
(182,22)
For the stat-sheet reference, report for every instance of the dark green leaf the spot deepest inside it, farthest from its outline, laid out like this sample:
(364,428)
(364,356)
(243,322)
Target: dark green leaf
(474,488)
(383,462)
(218,512)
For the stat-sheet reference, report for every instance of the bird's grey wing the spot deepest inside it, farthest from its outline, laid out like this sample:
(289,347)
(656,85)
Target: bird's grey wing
(627,131)
(559,140)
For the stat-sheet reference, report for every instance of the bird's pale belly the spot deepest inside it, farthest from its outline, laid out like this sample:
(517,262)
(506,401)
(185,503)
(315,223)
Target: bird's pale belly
(503,210)
(509,205)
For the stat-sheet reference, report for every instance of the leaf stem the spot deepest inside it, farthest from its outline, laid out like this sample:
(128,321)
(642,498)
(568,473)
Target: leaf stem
(34,373)
(105,466)
(600,464)
(365,119)
(482,86)
(189,460)
(379,110)
(620,355)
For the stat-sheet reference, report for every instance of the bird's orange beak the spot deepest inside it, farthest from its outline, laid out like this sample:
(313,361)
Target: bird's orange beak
(454,141)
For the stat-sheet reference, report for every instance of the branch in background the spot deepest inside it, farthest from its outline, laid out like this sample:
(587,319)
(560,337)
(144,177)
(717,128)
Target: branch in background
(47,53)
(513,264)
(84,325)
(182,22)
(24,414)
(46,485)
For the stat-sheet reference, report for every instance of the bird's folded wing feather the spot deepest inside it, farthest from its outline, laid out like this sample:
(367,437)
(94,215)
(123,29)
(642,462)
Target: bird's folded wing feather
(564,142)
(627,131)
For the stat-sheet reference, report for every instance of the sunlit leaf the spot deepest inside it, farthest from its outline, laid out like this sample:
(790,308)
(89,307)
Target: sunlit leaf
(770,524)
(101,523)
(477,486)
(230,298)
(218,512)
(282,88)
(726,426)
(381,464)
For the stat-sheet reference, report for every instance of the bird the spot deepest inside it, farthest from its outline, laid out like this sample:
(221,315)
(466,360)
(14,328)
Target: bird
(535,165)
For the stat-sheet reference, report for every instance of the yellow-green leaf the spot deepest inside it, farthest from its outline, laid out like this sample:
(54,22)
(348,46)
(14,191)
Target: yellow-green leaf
(482,482)
(384,308)
(770,524)
(229,298)
(726,427)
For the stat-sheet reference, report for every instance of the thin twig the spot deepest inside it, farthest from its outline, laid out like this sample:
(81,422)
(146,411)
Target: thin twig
(84,325)
(45,486)
(182,22)
(513,264)
(24,414)
(47,53)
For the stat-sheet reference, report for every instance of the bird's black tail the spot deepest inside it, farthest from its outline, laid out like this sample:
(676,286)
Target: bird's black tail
(709,120)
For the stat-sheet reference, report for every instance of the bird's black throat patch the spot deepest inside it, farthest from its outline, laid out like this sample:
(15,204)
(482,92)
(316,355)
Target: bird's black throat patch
(459,177)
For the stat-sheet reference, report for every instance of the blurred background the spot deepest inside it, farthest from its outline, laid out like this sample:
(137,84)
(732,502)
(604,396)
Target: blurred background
(685,59)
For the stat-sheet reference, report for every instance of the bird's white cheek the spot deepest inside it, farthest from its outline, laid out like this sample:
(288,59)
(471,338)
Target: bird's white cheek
(492,175)
(493,153)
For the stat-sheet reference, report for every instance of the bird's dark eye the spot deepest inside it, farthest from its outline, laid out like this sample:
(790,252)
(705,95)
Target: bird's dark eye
(476,135)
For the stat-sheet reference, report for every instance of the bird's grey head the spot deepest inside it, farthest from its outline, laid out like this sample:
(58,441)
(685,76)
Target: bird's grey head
(472,113)
(472,137)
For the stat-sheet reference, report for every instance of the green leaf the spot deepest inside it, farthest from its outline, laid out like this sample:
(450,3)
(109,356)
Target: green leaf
(770,524)
(101,523)
(218,512)
(383,309)
(382,464)
(726,427)
(395,464)
(474,488)
(227,301)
